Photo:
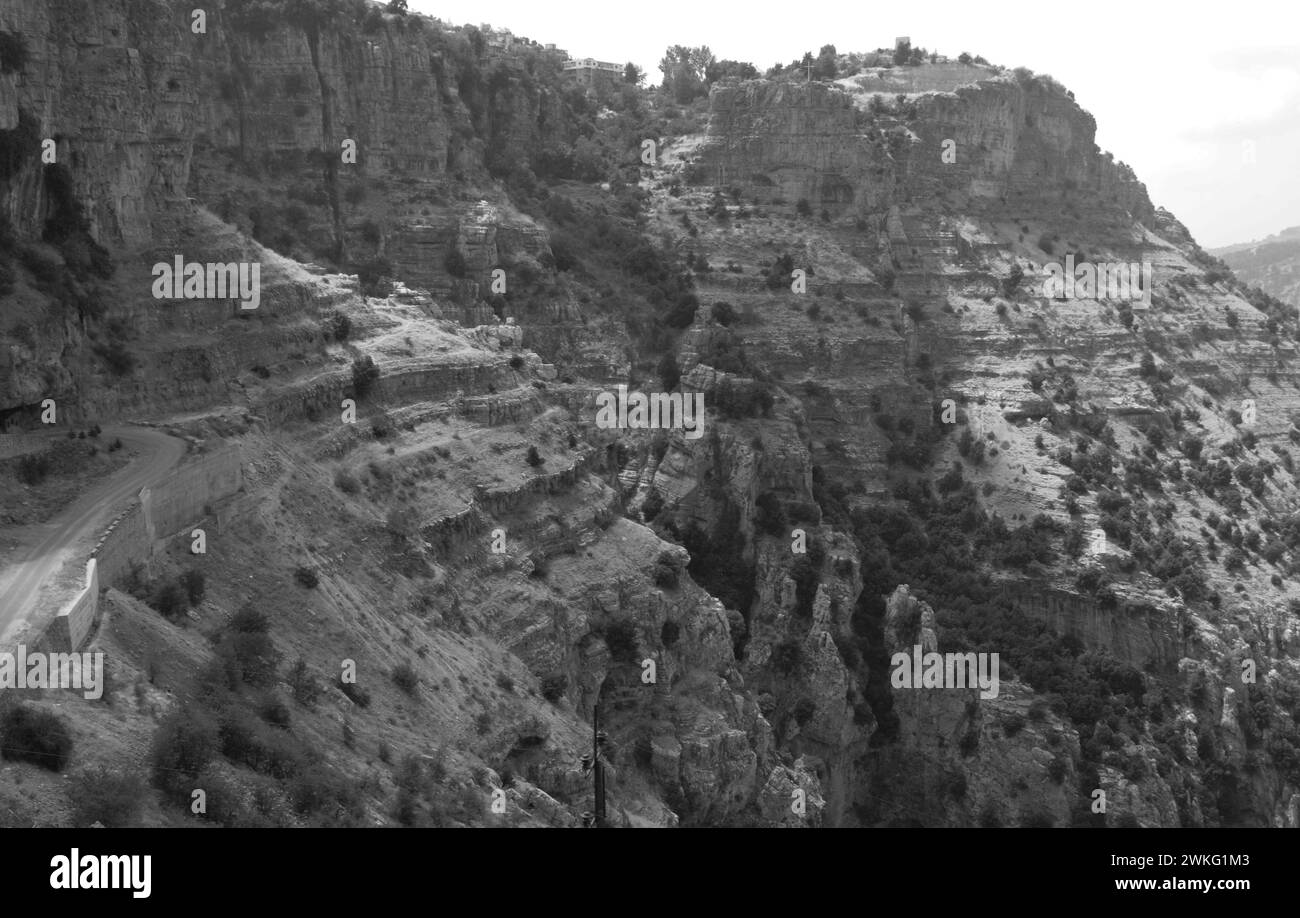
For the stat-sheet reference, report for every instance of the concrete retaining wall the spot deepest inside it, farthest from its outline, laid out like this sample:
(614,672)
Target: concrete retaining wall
(179,501)
(125,542)
(74,621)
(171,506)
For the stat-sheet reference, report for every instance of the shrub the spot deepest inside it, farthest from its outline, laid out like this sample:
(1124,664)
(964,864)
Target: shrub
(249,657)
(337,326)
(364,375)
(803,208)
(112,799)
(346,482)
(669,633)
(665,575)
(183,744)
(723,313)
(668,371)
(770,516)
(554,686)
(534,458)
(275,712)
(356,694)
(169,599)
(788,657)
(804,710)
(406,679)
(194,584)
(455,263)
(31,734)
(250,620)
(621,639)
(120,360)
(13,52)
(517,362)
(320,790)
(248,741)
(33,468)
(1013,724)
(372,277)
(306,576)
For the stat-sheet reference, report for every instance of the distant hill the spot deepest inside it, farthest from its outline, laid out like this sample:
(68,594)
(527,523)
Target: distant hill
(1272,264)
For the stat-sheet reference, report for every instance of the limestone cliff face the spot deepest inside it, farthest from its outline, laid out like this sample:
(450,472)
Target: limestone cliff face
(907,302)
(155,123)
(105,81)
(1008,139)
(794,141)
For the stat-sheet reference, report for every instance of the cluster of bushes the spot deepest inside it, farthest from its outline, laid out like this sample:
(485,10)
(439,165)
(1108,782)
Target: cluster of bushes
(336,327)
(779,273)
(769,515)
(718,558)
(32,734)
(235,713)
(724,353)
(170,597)
(743,399)
(621,639)
(806,574)
(944,547)
(554,685)
(364,375)
(613,239)
(1024,545)
(665,575)
(33,468)
(406,678)
(970,447)
(111,798)
(13,52)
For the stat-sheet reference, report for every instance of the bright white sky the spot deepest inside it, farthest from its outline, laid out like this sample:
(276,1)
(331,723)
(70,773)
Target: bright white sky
(1179,89)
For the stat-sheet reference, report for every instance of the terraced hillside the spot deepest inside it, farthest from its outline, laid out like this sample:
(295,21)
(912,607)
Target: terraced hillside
(439,563)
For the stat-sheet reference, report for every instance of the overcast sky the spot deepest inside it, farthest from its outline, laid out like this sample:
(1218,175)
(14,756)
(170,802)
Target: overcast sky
(1183,92)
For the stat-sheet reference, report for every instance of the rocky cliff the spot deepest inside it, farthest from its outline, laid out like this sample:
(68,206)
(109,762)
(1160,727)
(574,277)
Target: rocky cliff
(907,441)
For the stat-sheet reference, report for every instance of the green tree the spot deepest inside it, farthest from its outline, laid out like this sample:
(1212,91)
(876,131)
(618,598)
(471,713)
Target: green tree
(685,72)
(669,373)
(730,70)
(825,67)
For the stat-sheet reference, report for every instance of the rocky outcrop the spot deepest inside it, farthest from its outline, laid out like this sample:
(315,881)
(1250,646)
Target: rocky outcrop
(1025,140)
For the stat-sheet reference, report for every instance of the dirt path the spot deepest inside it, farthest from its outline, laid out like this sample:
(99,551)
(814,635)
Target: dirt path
(21,582)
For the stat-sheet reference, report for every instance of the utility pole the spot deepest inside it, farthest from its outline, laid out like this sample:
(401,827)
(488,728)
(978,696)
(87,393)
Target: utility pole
(591,761)
(597,743)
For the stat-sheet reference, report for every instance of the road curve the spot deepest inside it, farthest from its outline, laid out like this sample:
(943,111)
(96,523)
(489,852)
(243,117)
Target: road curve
(21,582)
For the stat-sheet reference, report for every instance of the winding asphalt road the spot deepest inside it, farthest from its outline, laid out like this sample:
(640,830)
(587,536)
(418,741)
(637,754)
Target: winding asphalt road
(21,581)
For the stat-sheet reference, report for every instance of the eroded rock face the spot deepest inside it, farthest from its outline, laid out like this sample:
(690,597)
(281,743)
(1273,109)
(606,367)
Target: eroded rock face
(751,704)
(820,142)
